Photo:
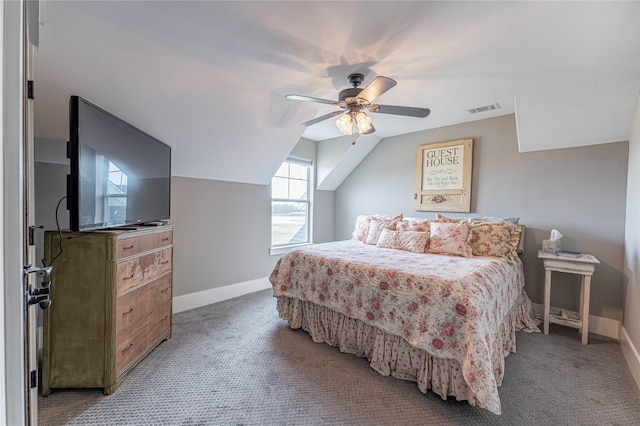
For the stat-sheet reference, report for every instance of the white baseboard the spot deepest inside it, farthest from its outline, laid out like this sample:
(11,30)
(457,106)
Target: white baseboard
(598,325)
(630,354)
(219,294)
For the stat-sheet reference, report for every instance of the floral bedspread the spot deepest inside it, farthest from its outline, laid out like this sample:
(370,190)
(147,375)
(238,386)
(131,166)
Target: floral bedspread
(451,307)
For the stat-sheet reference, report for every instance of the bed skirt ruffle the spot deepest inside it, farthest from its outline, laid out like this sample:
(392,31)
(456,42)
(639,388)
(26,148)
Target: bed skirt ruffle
(392,355)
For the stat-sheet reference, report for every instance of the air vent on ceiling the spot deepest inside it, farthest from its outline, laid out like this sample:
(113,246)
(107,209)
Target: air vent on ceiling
(484,108)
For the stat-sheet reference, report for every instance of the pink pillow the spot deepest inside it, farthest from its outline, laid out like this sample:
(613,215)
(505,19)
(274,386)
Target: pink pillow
(413,225)
(375,229)
(412,241)
(361,231)
(362,228)
(388,239)
(450,238)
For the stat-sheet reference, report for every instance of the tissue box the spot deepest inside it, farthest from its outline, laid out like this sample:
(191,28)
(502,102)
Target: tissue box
(549,246)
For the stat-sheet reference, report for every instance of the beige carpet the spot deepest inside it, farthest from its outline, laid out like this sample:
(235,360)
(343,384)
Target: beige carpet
(237,363)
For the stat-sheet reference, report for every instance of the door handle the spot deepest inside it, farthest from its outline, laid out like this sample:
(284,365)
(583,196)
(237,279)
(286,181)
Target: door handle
(36,295)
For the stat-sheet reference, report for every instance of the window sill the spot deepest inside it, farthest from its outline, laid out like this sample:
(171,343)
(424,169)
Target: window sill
(274,251)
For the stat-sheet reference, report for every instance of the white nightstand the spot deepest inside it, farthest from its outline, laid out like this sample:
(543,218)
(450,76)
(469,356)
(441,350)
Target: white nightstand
(583,265)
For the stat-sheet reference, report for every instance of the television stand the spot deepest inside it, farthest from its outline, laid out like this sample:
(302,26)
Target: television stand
(112,294)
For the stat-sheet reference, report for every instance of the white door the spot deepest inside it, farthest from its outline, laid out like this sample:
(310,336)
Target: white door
(18,398)
(15,401)
(37,295)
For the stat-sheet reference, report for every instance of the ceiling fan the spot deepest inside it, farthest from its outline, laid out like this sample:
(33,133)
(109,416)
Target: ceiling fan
(354,101)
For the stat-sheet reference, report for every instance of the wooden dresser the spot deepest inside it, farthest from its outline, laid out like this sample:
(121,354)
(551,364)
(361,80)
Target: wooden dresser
(111,305)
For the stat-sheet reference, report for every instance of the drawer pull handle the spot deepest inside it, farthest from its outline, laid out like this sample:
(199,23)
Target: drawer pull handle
(165,239)
(128,247)
(164,290)
(129,277)
(128,348)
(128,312)
(164,263)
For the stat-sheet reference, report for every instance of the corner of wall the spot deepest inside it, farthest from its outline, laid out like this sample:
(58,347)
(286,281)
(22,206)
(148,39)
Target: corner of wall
(630,354)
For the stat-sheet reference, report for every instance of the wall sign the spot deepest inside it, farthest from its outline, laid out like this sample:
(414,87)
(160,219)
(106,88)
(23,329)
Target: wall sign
(443,176)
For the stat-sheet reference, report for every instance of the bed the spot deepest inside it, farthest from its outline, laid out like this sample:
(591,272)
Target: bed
(441,320)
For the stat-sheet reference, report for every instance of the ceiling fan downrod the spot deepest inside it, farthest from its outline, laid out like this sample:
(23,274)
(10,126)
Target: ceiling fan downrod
(356,79)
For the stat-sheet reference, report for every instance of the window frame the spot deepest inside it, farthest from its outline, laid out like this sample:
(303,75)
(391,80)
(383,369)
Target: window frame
(282,248)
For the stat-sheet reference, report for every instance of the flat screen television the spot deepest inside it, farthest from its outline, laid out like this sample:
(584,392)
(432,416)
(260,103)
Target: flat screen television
(119,175)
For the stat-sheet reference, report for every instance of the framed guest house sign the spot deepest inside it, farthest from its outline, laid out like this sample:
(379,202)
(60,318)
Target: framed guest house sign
(443,176)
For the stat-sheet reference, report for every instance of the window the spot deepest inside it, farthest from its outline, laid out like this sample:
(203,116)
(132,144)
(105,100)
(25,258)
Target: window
(116,193)
(291,204)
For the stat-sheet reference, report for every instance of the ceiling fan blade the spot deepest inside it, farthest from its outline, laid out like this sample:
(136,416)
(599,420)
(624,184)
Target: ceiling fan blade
(400,110)
(302,98)
(321,118)
(376,88)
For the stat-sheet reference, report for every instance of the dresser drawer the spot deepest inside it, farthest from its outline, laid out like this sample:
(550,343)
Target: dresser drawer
(159,322)
(138,303)
(132,246)
(135,340)
(136,272)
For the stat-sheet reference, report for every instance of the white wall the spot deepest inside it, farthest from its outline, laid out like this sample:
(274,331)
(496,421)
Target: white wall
(580,191)
(631,323)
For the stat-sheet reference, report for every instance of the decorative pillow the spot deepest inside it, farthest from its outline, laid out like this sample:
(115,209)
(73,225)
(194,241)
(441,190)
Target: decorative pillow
(361,230)
(497,239)
(450,238)
(375,229)
(441,218)
(420,225)
(388,239)
(513,220)
(413,241)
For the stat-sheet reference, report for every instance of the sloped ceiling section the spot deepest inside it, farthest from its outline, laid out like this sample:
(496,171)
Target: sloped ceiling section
(337,158)
(209,78)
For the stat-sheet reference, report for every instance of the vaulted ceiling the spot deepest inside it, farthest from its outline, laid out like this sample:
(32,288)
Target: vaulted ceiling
(209,78)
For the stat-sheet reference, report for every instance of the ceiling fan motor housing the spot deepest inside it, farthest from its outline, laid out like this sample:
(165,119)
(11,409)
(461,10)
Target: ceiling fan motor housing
(346,94)
(349,97)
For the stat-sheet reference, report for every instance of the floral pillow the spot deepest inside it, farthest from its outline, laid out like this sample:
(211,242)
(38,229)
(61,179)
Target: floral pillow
(412,241)
(361,230)
(450,238)
(441,218)
(497,239)
(388,239)
(375,229)
(420,225)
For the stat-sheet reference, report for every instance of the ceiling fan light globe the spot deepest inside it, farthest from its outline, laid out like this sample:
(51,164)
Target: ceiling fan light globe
(344,124)
(371,129)
(364,123)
